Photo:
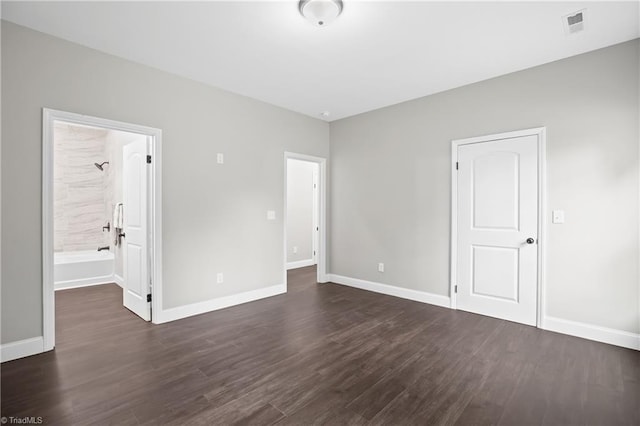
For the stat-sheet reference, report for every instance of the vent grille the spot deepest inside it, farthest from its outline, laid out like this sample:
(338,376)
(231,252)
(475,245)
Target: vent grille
(574,22)
(575,19)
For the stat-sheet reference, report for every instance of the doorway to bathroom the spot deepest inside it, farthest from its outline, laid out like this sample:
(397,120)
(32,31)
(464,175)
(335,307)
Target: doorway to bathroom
(101,211)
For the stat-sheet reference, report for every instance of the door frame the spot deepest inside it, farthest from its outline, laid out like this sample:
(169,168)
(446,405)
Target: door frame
(49,116)
(316,214)
(322,214)
(540,132)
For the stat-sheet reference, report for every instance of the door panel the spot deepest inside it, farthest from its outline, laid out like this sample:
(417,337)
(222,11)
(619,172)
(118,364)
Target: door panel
(136,269)
(497,213)
(495,272)
(495,191)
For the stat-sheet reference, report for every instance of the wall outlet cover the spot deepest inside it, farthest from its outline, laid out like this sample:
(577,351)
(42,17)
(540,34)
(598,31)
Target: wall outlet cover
(557,216)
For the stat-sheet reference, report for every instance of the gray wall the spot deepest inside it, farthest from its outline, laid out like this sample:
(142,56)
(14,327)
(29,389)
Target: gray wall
(300,209)
(214,216)
(390,190)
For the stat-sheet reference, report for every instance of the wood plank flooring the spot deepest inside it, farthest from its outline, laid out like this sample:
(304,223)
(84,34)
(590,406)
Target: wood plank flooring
(320,354)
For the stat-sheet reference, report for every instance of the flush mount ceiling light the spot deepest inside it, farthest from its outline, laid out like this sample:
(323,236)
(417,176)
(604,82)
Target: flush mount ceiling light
(320,12)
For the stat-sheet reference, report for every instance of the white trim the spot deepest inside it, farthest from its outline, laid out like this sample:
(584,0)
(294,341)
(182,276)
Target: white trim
(48,118)
(541,133)
(542,225)
(48,297)
(180,312)
(118,280)
(21,348)
(322,276)
(390,290)
(593,332)
(315,212)
(83,282)
(300,264)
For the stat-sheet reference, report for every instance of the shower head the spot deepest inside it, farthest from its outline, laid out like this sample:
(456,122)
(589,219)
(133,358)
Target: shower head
(100,166)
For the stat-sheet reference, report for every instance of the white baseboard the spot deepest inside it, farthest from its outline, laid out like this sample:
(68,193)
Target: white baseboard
(300,264)
(118,280)
(21,349)
(572,328)
(593,332)
(404,293)
(85,282)
(180,312)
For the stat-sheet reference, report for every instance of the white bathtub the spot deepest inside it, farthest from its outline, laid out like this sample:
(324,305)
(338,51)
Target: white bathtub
(82,268)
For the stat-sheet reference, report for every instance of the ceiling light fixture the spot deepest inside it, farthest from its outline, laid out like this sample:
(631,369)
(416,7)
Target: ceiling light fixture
(320,12)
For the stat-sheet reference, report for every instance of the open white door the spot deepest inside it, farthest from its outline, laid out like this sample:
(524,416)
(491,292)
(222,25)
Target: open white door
(134,192)
(497,225)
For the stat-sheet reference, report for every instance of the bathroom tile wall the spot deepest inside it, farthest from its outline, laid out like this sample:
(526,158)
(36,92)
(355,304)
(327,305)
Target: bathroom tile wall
(79,200)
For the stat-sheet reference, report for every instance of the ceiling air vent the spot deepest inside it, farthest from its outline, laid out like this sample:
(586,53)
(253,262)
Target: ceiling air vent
(574,22)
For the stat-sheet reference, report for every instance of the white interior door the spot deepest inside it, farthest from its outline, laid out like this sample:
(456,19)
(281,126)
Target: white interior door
(136,268)
(497,223)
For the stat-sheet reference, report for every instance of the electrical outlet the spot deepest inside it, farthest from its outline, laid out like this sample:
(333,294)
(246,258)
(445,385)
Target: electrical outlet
(295,249)
(220,158)
(271,215)
(380,267)
(219,278)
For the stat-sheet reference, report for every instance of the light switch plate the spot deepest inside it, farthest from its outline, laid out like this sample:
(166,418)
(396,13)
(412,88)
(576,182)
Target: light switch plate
(271,215)
(557,216)
(380,267)
(220,158)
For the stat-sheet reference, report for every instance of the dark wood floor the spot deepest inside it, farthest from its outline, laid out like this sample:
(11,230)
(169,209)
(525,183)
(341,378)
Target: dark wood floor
(321,354)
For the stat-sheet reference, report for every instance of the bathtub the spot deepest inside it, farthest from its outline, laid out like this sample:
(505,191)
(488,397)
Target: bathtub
(82,268)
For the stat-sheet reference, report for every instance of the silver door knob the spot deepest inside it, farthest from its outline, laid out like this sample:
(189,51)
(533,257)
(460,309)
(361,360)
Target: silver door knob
(530,241)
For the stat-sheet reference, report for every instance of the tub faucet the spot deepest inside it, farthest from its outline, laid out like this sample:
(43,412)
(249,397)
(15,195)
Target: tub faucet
(103,248)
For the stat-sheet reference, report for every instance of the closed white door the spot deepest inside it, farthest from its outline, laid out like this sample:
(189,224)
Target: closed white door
(136,268)
(497,223)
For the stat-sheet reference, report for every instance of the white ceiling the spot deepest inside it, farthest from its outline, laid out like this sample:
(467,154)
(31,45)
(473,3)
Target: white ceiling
(377,53)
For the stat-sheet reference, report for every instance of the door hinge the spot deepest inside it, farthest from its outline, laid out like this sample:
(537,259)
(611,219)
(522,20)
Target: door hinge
(455,289)
(148,298)
(148,159)
(456,165)
(314,252)
(317,228)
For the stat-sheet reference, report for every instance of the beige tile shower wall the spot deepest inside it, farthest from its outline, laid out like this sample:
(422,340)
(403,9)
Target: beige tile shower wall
(78,187)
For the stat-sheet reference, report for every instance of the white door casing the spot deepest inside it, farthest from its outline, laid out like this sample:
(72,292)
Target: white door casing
(321,241)
(315,226)
(49,117)
(134,192)
(495,253)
